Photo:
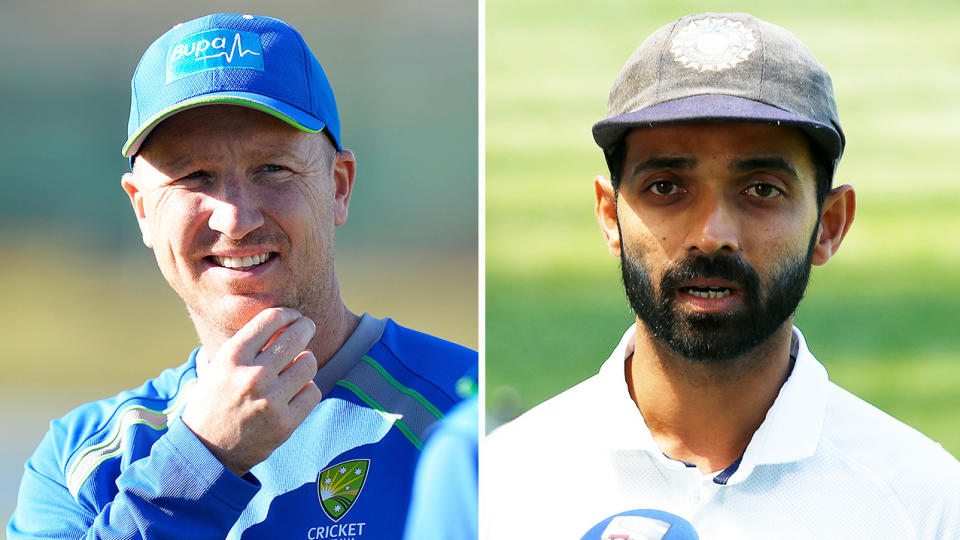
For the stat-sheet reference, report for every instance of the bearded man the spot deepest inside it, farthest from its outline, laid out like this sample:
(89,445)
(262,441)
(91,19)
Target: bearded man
(711,418)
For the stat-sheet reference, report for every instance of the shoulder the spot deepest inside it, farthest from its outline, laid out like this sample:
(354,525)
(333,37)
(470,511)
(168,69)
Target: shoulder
(896,458)
(559,419)
(86,436)
(878,441)
(596,409)
(423,351)
(423,361)
(154,396)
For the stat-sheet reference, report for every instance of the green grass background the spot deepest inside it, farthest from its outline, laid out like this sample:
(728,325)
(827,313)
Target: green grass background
(882,315)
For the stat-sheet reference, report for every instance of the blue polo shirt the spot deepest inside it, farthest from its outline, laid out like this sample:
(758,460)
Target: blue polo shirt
(127,467)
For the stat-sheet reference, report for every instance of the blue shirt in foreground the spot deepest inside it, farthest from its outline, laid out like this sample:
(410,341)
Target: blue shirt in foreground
(444,505)
(127,467)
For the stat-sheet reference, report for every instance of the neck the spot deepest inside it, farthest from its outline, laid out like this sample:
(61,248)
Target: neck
(706,414)
(334,327)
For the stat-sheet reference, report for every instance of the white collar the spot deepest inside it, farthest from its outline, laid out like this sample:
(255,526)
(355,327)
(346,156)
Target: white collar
(790,432)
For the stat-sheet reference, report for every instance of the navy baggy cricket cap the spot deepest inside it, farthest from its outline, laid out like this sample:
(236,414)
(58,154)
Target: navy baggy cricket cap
(717,67)
(246,60)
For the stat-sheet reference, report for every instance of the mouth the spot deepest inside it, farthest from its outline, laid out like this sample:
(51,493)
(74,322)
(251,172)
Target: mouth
(708,292)
(709,295)
(241,263)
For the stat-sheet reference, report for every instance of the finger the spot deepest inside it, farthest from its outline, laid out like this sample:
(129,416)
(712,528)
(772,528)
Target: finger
(253,336)
(296,374)
(305,401)
(274,338)
(290,343)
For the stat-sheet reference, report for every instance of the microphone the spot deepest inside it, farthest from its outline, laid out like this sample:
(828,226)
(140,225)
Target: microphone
(642,524)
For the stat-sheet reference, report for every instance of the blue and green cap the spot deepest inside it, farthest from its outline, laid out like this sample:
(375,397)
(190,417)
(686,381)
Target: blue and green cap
(247,60)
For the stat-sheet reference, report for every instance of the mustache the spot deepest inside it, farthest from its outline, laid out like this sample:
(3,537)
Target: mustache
(255,238)
(728,267)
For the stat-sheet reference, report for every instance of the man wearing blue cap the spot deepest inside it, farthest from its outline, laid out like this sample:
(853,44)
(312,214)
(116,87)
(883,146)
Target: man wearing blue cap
(238,180)
(712,419)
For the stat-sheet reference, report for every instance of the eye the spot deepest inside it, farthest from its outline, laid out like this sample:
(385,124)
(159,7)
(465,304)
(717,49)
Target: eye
(665,188)
(763,191)
(194,179)
(271,173)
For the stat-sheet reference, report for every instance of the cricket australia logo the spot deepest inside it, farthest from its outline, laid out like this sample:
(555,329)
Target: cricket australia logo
(713,44)
(338,486)
(214,49)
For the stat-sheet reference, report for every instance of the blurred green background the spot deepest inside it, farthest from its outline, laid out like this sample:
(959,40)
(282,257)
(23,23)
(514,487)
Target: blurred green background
(85,313)
(882,315)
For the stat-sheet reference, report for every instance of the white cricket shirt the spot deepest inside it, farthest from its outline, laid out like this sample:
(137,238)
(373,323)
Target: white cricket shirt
(824,464)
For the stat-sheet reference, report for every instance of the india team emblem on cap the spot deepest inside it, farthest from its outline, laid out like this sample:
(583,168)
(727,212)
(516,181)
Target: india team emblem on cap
(713,44)
(338,486)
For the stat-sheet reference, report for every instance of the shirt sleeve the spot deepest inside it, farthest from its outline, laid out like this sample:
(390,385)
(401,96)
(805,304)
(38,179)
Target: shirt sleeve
(178,491)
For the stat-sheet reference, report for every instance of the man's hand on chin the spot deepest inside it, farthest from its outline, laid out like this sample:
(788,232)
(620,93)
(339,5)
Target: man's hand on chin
(257,389)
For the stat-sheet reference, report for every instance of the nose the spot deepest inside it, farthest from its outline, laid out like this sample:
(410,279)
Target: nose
(235,212)
(713,227)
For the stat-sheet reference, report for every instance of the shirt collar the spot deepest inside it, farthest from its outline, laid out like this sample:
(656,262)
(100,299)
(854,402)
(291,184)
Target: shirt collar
(790,432)
(368,331)
(624,427)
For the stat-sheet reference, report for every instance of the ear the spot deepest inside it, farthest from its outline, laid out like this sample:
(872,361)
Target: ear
(344,171)
(136,200)
(605,209)
(835,220)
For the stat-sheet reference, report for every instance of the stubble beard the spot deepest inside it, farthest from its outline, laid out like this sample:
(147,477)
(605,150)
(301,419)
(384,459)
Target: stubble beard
(230,318)
(713,338)
(220,317)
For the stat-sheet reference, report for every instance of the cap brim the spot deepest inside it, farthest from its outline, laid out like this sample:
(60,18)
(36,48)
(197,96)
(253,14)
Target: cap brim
(288,113)
(714,108)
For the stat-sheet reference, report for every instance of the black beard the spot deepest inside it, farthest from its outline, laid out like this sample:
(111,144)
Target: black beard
(715,337)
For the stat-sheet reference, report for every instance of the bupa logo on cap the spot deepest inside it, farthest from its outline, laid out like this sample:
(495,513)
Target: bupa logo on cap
(219,48)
